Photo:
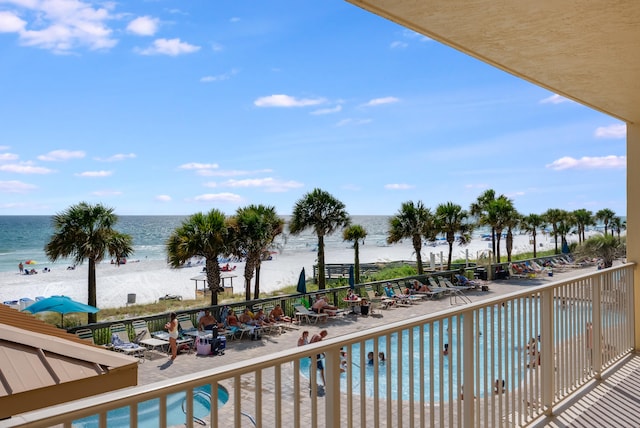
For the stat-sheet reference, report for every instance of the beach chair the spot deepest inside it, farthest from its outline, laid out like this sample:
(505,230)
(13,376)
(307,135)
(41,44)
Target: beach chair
(514,273)
(455,292)
(383,301)
(121,343)
(186,325)
(86,334)
(144,338)
(436,287)
(303,313)
(405,298)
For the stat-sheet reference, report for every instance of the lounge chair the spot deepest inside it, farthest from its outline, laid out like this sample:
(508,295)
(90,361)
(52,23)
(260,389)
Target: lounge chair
(121,343)
(384,301)
(86,334)
(515,273)
(409,298)
(463,281)
(186,325)
(144,338)
(455,292)
(436,287)
(303,313)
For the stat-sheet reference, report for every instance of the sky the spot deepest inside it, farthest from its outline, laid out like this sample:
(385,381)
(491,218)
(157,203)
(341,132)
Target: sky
(175,107)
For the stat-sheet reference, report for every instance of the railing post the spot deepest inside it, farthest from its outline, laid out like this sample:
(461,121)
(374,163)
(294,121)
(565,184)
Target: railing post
(468,367)
(547,346)
(332,388)
(596,351)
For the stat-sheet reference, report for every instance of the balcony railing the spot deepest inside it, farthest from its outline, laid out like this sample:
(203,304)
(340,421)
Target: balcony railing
(499,362)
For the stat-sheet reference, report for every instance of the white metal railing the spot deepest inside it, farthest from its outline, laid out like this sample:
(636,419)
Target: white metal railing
(509,360)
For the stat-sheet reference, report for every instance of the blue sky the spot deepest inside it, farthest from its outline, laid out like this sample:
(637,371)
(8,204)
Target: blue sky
(176,107)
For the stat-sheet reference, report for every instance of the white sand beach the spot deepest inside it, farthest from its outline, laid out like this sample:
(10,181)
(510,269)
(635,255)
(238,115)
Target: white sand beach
(150,280)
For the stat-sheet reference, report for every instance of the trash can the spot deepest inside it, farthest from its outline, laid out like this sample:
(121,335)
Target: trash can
(131,299)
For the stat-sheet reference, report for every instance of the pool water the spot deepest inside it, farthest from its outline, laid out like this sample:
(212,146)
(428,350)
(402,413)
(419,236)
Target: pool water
(504,334)
(148,410)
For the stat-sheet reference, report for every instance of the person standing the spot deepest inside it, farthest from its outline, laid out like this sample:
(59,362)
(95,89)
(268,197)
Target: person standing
(21,267)
(320,364)
(172,328)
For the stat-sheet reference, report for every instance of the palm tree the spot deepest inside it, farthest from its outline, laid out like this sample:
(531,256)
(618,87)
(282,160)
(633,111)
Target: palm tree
(201,235)
(605,247)
(531,224)
(583,218)
(498,214)
(254,229)
(605,215)
(451,219)
(355,233)
(86,231)
(323,213)
(553,216)
(479,208)
(412,221)
(617,226)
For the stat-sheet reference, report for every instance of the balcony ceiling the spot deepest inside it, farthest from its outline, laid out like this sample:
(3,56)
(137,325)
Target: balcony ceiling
(585,50)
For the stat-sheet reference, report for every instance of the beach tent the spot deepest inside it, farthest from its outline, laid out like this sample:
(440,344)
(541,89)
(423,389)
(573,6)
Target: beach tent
(62,305)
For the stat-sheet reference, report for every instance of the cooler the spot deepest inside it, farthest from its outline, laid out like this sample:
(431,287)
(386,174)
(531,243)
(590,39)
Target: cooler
(203,346)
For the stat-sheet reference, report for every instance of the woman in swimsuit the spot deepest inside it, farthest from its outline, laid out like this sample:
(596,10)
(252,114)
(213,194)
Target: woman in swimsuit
(172,328)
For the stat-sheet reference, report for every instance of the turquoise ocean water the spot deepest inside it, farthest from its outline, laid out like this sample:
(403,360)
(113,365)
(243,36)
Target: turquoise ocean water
(23,238)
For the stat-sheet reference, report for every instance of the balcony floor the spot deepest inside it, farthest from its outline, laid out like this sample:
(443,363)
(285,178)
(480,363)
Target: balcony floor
(612,402)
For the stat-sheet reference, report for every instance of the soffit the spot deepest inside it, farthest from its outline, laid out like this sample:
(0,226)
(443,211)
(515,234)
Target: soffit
(588,51)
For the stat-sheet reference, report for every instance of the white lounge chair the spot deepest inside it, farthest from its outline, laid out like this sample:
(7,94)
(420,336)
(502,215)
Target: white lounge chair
(144,338)
(383,301)
(121,343)
(303,313)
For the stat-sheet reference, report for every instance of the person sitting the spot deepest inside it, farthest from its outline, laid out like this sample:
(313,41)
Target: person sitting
(277,315)
(233,322)
(322,306)
(388,291)
(33,272)
(208,322)
(246,317)
(261,319)
(351,295)
(381,358)
(419,287)
(466,282)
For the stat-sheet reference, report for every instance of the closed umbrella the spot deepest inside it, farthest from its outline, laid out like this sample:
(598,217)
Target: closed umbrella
(60,304)
(302,283)
(352,280)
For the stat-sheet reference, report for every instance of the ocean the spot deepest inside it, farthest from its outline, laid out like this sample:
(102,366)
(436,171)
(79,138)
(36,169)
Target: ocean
(23,238)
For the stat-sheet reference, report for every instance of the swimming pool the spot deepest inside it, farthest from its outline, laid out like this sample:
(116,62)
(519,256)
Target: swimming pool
(148,416)
(501,336)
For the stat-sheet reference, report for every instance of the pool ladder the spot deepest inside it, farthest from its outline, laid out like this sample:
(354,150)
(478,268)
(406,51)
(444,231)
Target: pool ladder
(208,396)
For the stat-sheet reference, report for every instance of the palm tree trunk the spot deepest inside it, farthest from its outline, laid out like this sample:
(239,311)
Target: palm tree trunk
(509,245)
(248,274)
(417,246)
(498,237)
(493,243)
(356,249)
(450,251)
(321,275)
(213,278)
(256,291)
(92,299)
(535,244)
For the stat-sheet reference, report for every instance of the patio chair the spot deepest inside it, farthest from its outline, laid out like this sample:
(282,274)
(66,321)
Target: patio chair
(86,334)
(121,342)
(303,313)
(144,338)
(383,301)
(456,292)
(404,298)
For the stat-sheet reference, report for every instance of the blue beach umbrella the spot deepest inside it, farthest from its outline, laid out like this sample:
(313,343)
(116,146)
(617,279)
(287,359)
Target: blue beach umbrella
(302,283)
(60,304)
(352,280)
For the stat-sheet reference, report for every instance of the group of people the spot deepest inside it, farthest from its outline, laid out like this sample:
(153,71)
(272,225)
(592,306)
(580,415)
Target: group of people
(322,306)
(381,358)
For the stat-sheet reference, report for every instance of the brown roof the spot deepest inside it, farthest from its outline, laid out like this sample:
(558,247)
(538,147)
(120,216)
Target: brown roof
(41,365)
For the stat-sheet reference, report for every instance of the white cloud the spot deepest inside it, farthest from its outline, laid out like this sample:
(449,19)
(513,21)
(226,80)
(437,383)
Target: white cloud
(11,23)
(106,193)
(93,174)
(398,186)
(220,77)
(476,186)
(25,168)
(235,172)
(117,157)
(618,130)
(268,183)
(198,166)
(62,155)
(555,99)
(234,19)
(171,47)
(412,35)
(281,100)
(335,109)
(163,198)
(345,122)
(218,197)
(144,26)
(217,47)
(210,184)
(61,26)
(398,45)
(3,148)
(8,157)
(603,162)
(15,186)
(380,101)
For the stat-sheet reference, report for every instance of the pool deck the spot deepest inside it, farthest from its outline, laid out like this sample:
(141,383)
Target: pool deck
(160,368)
